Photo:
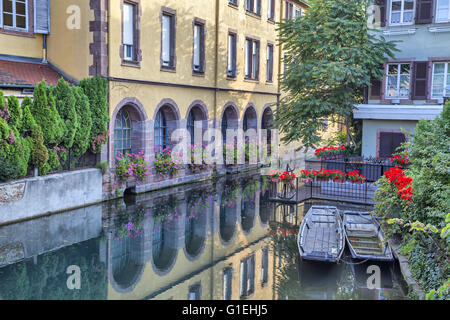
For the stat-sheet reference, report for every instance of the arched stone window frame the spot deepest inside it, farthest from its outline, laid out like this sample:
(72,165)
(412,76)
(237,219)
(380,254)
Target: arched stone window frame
(202,115)
(139,127)
(172,119)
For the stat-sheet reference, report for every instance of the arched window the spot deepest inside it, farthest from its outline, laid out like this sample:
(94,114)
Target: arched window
(191,125)
(224,127)
(160,131)
(122,133)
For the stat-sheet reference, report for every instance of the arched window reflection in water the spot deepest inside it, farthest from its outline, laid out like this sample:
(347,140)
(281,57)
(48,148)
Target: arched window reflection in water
(228,218)
(195,226)
(164,247)
(127,261)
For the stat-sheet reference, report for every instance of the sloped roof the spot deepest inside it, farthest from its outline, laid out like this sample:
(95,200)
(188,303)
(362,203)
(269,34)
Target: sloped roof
(26,74)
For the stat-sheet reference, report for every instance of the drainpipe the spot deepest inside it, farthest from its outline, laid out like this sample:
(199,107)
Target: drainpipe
(216,69)
(44,48)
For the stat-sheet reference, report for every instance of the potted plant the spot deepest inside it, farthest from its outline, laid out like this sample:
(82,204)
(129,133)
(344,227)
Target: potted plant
(287,178)
(338,176)
(323,175)
(274,175)
(307,176)
(355,177)
(329,153)
(167,163)
(400,160)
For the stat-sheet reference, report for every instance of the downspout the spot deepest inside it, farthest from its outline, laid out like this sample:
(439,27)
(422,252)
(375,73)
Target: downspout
(44,48)
(216,70)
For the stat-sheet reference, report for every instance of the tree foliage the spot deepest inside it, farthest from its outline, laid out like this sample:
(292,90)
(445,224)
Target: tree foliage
(96,89)
(83,134)
(330,58)
(65,104)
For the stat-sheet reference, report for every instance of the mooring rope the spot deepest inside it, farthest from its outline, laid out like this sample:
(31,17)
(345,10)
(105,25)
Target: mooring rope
(353,263)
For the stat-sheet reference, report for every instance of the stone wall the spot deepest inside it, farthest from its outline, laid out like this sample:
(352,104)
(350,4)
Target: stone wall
(32,197)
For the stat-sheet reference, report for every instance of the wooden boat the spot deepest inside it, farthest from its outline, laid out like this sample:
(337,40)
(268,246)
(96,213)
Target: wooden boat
(321,235)
(365,238)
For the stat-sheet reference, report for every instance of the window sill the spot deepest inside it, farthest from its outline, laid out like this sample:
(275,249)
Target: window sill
(271,21)
(397,32)
(234,6)
(252,14)
(198,73)
(269,82)
(18,32)
(440,27)
(230,78)
(168,69)
(251,80)
(130,63)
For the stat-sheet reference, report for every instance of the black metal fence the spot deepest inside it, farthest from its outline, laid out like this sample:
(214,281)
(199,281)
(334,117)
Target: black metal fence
(298,191)
(372,170)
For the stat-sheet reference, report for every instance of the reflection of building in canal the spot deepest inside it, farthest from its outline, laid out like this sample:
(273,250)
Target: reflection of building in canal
(192,243)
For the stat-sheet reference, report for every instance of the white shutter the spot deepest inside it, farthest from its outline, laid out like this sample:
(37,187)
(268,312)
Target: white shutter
(166,39)
(1,14)
(230,53)
(247,58)
(197,45)
(128,24)
(41,16)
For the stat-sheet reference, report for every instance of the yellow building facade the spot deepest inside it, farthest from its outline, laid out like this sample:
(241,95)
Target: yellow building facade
(169,63)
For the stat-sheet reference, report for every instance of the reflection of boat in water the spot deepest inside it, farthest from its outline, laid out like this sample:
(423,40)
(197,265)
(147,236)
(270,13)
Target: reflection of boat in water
(319,281)
(375,280)
(321,235)
(365,238)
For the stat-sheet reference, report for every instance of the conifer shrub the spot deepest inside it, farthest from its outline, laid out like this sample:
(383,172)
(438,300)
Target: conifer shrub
(15,112)
(96,89)
(65,105)
(39,155)
(82,136)
(28,121)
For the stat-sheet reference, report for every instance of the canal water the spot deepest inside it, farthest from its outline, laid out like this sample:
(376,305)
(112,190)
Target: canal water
(213,240)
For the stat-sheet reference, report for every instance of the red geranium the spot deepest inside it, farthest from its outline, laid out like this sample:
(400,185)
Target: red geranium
(402,182)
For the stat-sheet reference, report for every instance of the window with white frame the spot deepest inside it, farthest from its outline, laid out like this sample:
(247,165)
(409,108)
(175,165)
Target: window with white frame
(199,48)
(398,81)
(402,12)
(231,68)
(271,10)
(441,79)
(297,11)
(443,11)
(14,14)
(252,59)
(269,63)
(128,31)
(253,6)
(247,276)
(168,41)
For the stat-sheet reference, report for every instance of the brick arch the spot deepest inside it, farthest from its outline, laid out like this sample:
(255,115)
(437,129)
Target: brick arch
(233,107)
(267,107)
(251,109)
(171,104)
(202,106)
(139,120)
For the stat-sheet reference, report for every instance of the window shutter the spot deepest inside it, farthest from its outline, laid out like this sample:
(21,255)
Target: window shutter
(424,11)
(41,16)
(1,14)
(419,81)
(375,89)
(382,5)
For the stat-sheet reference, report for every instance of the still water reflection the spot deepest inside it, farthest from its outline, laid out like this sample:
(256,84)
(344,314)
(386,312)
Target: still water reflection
(215,240)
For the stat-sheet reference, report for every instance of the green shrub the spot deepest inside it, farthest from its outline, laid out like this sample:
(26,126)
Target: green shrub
(15,111)
(28,121)
(65,105)
(96,89)
(104,166)
(52,164)
(83,134)
(39,155)
(14,154)
(46,116)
